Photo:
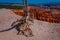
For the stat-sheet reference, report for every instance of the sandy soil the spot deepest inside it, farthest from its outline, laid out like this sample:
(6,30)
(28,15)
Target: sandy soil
(41,30)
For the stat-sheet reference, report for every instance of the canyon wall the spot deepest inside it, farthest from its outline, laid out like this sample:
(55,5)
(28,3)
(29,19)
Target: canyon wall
(51,16)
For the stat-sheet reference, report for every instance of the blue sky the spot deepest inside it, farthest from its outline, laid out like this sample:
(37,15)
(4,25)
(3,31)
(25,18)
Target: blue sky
(30,1)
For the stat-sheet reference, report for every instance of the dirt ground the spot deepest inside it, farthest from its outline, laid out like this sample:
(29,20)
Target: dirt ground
(41,30)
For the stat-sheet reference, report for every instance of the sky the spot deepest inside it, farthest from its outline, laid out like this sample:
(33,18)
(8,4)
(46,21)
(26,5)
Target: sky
(30,1)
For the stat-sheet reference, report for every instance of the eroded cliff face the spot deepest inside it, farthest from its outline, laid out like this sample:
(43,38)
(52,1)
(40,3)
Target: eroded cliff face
(51,16)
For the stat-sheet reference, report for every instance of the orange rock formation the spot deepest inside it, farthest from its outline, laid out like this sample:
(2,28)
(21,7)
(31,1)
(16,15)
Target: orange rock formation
(41,14)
